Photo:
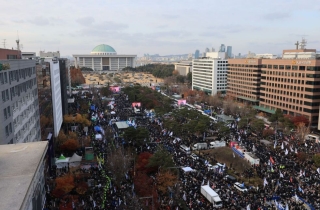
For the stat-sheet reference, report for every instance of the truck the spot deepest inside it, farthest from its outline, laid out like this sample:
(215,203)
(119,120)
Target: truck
(211,196)
(215,144)
(199,146)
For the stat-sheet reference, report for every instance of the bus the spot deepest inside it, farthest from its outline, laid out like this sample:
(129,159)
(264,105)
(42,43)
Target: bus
(185,149)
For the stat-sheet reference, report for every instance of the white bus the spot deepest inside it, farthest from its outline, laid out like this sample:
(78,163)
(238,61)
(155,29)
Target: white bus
(313,137)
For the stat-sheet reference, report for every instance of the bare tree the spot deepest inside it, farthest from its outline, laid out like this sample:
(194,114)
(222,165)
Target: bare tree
(119,162)
(302,131)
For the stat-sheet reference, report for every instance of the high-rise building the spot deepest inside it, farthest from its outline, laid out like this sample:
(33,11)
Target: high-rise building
(289,83)
(63,66)
(20,121)
(229,51)
(43,54)
(213,50)
(222,48)
(210,74)
(197,54)
(183,67)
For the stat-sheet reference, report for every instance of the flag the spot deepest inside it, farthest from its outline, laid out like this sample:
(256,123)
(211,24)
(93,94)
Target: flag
(287,207)
(296,151)
(286,152)
(265,182)
(300,189)
(234,156)
(275,144)
(305,144)
(202,182)
(271,160)
(208,183)
(291,149)
(281,175)
(297,198)
(248,207)
(282,146)
(318,170)
(301,173)
(184,197)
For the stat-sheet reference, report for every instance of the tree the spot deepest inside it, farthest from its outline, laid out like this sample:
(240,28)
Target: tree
(161,158)
(277,116)
(316,159)
(300,119)
(189,77)
(302,131)
(70,145)
(175,73)
(143,161)
(257,125)
(165,179)
(77,77)
(119,162)
(64,185)
(143,184)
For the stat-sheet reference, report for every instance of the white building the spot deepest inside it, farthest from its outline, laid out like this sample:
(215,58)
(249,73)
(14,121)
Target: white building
(43,54)
(104,58)
(183,67)
(209,74)
(54,68)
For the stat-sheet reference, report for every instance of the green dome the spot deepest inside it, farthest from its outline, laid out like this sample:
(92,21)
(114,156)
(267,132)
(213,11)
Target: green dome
(103,48)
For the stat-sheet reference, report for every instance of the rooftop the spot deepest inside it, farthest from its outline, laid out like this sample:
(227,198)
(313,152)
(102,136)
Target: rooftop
(18,163)
(103,48)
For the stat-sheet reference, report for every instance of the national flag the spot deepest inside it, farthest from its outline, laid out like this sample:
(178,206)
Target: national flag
(291,149)
(248,207)
(318,170)
(282,146)
(275,144)
(296,151)
(301,173)
(296,197)
(202,182)
(305,144)
(208,183)
(287,206)
(286,152)
(234,156)
(300,189)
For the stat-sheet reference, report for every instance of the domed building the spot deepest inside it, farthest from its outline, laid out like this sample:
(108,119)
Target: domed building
(103,57)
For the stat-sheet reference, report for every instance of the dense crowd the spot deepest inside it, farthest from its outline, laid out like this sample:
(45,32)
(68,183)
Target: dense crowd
(288,183)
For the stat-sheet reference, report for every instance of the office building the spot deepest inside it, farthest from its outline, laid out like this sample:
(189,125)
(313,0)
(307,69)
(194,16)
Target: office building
(63,66)
(229,51)
(222,48)
(213,50)
(19,116)
(197,54)
(209,74)
(43,54)
(183,67)
(289,83)
(22,176)
(28,55)
(6,54)
(104,58)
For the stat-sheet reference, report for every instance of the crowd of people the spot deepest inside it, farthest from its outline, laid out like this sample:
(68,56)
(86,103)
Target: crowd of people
(287,182)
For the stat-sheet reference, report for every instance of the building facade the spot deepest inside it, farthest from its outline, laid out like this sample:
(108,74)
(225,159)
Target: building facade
(222,48)
(209,74)
(290,83)
(229,51)
(43,54)
(22,175)
(104,58)
(20,121)
(183,67)
(63,66)
(6,54)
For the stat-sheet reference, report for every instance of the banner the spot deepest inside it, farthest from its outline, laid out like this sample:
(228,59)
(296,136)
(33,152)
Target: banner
(136,104)
(182,102)
(115,89)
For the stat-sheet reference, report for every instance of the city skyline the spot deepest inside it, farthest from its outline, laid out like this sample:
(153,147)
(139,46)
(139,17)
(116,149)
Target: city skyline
(159,27)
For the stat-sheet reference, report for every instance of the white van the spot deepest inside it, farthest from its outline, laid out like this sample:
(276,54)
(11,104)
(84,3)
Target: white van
(313,137)
(185,149)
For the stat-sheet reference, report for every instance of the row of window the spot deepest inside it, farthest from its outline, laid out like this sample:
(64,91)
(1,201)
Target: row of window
(281,67)
(7,112)
(8,129)
(21,73)
(18,89)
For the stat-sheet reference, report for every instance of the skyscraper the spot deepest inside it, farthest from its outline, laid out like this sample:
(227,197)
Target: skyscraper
(196,54)
(213,50)
(222,48)
(229,51)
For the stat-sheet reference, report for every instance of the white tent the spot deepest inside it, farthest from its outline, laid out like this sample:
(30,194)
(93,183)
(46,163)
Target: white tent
(98,137)
(62,161)
(75,160)
(113,112)
(187,169)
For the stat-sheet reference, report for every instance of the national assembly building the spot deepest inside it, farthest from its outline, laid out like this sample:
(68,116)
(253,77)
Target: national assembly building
(104,58)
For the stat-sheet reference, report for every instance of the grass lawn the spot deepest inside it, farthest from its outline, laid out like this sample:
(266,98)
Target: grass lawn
(225,155)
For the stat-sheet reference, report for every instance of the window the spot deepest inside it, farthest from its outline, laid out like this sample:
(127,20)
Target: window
(7,131)
(302,68)
(281,66)
(288,67)
(10,128)
(9,111)
(5,77)
(294,67)
(275,66)
(5,113)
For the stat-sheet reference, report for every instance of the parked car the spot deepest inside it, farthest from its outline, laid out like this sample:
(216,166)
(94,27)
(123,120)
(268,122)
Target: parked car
(230,179)
(194,156)
(240,187)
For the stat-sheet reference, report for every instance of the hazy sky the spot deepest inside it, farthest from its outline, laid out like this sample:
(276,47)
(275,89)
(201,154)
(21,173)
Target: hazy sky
(159,26)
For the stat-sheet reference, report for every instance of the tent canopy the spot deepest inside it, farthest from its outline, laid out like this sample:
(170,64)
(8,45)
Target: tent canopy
(75,158)
(98,136)
(97,128)
(122,125)
(62,157)
(187,169)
